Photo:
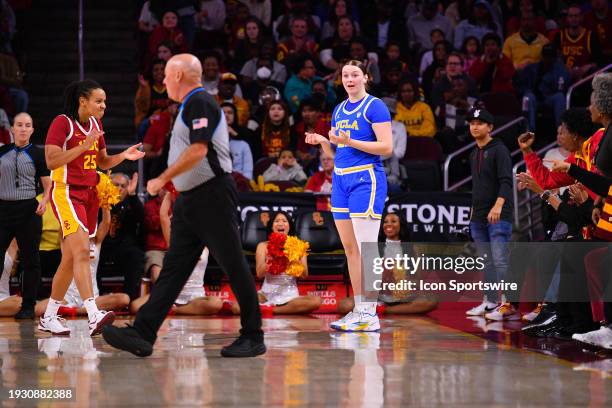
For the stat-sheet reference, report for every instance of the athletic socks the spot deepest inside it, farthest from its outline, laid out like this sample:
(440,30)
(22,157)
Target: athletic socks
(91,307)
(52,307)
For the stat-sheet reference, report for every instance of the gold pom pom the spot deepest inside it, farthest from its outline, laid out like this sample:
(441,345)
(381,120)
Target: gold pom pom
(108,193)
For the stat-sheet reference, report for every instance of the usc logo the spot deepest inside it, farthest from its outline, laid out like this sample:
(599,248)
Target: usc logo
(66,225)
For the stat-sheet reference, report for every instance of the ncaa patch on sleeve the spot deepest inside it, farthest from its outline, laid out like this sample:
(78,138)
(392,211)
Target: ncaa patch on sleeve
(199,123)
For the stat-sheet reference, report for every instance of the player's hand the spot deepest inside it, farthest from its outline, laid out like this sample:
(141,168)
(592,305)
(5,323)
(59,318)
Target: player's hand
(133,184)
(314,138)
(341,139)
(92,138)
(558,165)
(132,152)
(525,141)
(42,207)
(155,185)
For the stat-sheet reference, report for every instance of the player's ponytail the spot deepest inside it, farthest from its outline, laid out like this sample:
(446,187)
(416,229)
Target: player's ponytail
(73,92)
(363,68)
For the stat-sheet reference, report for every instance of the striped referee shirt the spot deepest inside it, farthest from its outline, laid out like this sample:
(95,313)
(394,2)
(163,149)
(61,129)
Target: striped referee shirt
(20,170)
(200,119)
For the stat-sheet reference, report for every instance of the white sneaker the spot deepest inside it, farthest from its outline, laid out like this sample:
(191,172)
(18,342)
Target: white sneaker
(600,338)
(482,309)
(505,311)
(101,319)
(357,321)
(533,314)
(54,325)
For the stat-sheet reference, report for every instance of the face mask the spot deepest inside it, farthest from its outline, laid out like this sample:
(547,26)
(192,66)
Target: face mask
(264,73)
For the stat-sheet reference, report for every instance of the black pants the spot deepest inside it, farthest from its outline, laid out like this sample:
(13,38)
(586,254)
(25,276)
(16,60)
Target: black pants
(573,286)
(204,216)
(18,219)
(128,261)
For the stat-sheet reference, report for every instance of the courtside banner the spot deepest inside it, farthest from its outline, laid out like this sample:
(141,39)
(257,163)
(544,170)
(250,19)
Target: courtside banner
(521,271)
(433,217)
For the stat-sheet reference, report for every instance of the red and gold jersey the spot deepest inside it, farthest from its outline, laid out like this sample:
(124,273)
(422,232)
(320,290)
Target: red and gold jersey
(68,134)
(576,51)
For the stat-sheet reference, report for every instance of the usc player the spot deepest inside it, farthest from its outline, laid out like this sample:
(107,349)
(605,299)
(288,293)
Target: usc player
(74,149)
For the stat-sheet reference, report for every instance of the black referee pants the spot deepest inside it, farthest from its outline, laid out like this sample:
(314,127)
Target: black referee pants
(18,219)
(204,216)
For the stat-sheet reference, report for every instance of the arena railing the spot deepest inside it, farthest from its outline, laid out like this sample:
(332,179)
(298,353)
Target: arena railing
(470,146)
(570,90)
(530,214)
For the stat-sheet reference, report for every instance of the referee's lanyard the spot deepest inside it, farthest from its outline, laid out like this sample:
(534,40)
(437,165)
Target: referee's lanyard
(189,95)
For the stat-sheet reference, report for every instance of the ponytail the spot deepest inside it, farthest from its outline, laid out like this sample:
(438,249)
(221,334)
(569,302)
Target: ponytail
(73,92)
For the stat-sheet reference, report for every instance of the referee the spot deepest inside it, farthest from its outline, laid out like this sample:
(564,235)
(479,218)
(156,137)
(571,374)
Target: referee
(22,166)
(199,165)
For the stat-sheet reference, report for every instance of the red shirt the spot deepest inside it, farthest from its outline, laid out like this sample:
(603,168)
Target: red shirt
(68,134)
(321,127)
(159,129)
(154,238)
(320,183)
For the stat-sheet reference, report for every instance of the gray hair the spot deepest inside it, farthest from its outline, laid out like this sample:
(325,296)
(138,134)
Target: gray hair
(602,93)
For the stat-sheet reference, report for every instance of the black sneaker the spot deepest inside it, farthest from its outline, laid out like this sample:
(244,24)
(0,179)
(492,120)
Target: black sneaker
(244,346)
(26,312)
(128,339)
(547,315)
(546,330)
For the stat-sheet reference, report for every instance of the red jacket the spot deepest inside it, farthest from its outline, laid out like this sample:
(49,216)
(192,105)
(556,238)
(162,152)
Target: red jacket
(502,76)
(584,159)
(154,239)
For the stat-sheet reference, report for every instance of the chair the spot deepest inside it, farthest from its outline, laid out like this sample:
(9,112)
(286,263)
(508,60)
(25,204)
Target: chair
(262,165)
(254,229)
(422,175)
(327,256)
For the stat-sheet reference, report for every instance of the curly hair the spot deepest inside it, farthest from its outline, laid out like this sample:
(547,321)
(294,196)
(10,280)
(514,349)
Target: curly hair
(578,121)
(602,93)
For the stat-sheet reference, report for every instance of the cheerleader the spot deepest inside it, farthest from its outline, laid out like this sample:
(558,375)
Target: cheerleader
(360,134)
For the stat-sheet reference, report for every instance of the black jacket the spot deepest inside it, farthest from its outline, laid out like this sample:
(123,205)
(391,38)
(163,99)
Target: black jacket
(491,178)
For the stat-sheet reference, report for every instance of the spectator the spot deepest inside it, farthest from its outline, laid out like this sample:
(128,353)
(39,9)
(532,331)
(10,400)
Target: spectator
(311,121)
(185,12)
(266,96)
(275,131)
(210,74)
(242,158)
(471,51)
(260,9)
(321,182)
(491,215)
(454,69)
(544,84)
(165,51)
(599,21)
(147,21)
(11,78)
(250,46)
(436,71)
(281,27)
(359,52)
(209,23)
(156,141)
(327,99)
(151,96)
(299,85)
(383,26)
(168,31)
(513,23)
(580,48)
(452,114)
(337,9)
(122,246)
(265,58)
(263,79)
(427,58)
(337,49)
(280,291)
(480,22)
(393,52)
(299,44)
(227,93)
(392,162)
(493,71)
(155,244)
(421,25)
(286,169)
(525,47)
(416,116)
(392,75)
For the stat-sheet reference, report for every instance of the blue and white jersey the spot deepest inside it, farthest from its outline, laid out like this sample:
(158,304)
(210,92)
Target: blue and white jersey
(357,118)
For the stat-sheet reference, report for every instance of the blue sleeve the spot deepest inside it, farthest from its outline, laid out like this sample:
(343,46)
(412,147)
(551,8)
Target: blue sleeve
(333,118)
(377,112)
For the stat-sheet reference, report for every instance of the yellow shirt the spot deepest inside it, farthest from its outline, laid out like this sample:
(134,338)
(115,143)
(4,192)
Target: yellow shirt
(50,237)
(419,119)
(522,53)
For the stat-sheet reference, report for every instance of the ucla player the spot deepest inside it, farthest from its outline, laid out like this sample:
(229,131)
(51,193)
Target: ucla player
(361,133)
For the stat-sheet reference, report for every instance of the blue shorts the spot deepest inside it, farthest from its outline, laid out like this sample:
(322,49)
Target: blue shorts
(358,192)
